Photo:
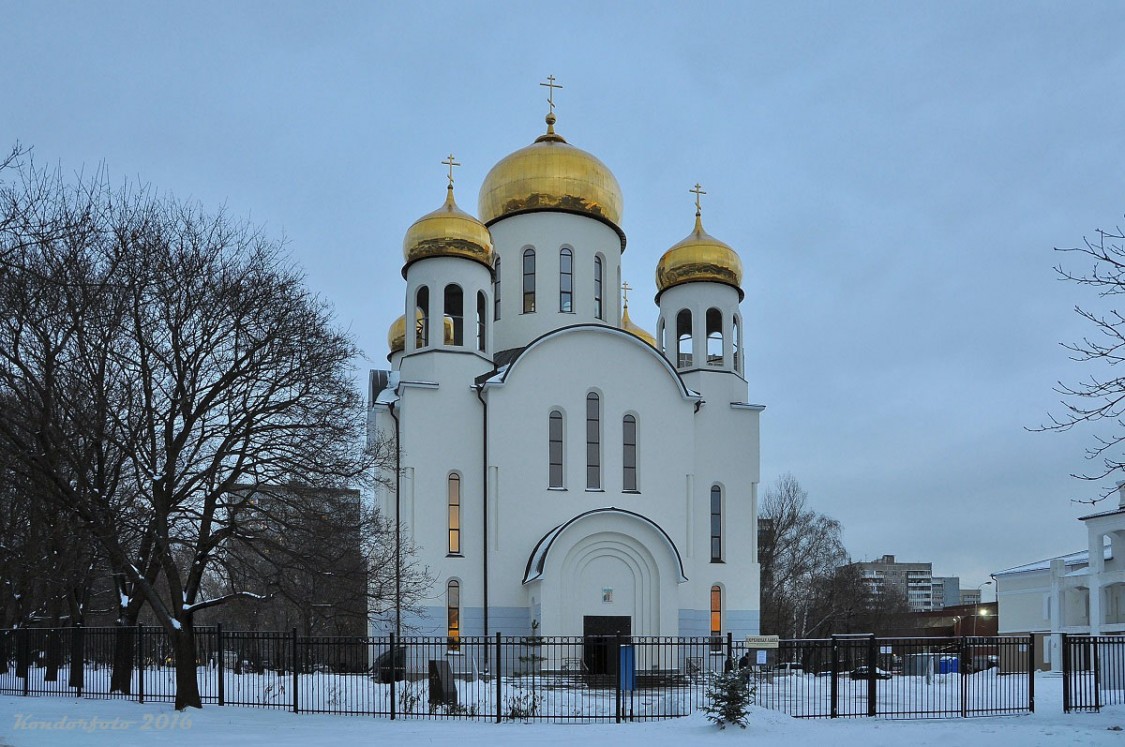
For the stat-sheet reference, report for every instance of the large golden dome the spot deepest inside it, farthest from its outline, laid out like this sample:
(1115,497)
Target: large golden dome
(551,174)
(447,232)
(699,258)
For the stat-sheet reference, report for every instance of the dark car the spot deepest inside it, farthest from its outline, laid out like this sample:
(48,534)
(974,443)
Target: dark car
(863,673)
(383,669)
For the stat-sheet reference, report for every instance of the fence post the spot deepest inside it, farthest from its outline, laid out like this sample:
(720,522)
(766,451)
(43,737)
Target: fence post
(962,665)
(1095,653)
(219,663)
(872,680)
(617,670)
(140,663)
(1031,672)
(296,677)
(834,688)
(394,671)
(1066,673)
(498,669)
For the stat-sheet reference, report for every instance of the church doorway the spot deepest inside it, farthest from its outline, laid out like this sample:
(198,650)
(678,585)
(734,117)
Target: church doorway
(599,641)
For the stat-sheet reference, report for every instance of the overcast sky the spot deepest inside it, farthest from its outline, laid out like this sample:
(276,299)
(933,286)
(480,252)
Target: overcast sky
(894,176)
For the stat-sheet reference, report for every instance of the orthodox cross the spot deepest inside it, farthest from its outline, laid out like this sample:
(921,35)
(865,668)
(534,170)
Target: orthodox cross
(697,192)
(625,288)
(550,85)
(450,163)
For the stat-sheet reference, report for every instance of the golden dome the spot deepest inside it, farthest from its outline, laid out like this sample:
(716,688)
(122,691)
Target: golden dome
(699,258)
(551,174)
(447,232)
(396,335)
(633,329)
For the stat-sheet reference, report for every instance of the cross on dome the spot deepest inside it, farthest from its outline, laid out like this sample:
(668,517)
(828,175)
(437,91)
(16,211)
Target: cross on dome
(550,85)
(697,191)
(450,163)
(625,288)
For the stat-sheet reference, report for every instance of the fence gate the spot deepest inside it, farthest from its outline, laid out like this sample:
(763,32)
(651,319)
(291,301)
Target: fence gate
(1093,672)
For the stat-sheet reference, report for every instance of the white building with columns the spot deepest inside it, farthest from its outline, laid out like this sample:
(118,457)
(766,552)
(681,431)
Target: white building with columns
(562,471)
(1082,593)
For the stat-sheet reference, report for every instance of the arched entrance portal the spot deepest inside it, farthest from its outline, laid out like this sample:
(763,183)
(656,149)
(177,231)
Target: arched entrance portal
(605,573)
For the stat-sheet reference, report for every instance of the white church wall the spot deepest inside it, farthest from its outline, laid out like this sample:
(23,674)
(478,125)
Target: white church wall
(548,232)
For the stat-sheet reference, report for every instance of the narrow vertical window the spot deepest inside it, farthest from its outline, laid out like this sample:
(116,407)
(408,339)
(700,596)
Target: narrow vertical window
(555,449)
(714,337)
(683,339)
(716,618)
(660,336)
(482,305)
(454,315)
(736,342)
(716,524)
(454,514)
(496,293)
(566,281)
(453,615)
(629,455)
(593,442)
(598,288)
(528,281)
(422,337)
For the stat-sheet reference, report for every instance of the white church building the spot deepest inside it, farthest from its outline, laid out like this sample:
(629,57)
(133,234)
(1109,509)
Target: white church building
(560,470)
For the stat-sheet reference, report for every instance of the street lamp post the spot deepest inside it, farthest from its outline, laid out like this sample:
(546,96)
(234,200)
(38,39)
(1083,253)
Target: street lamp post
(980,612)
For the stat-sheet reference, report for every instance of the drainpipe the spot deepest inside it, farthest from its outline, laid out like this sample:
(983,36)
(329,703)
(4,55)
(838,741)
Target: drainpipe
(484,506)
(398,524)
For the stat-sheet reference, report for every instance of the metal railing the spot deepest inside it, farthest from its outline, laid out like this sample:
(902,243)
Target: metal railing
(498,678)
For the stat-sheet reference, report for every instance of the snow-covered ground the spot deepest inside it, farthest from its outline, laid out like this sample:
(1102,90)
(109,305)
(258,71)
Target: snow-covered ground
(34,721)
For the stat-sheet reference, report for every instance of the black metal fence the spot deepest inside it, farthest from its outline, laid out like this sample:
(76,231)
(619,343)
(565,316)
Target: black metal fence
(1093,671)
(608,678)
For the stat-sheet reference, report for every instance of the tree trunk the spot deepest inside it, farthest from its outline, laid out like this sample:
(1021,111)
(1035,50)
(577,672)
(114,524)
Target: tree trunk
(5,637)
(52,656)
(77,658)
(187,684)
(124,658)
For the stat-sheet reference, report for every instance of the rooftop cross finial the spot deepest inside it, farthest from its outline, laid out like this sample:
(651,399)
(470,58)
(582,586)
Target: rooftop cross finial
(450,163)
(625,288)
(698,191)
(550,85)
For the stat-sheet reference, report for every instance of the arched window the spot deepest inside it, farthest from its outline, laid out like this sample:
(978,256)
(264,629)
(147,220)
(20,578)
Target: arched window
(683,339)
(716,618)
(455,313)
(528,280)
(660,336)
(629,455)
(482,304)
(454,514)
(593,442)
(714,337)
(736,341)
(555,449)
(598,306)
(496,293)
(716,524)
(566,281)
(453,614)
(422,337)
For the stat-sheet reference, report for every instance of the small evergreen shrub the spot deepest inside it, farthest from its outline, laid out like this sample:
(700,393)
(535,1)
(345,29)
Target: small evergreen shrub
(728,697)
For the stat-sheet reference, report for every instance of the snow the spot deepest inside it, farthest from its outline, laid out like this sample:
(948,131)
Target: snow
(48,721)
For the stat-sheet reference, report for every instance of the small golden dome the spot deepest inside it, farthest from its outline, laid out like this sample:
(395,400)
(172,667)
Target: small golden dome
(396,335)
(551,174)
(699,258)
(447,232)
(633,329)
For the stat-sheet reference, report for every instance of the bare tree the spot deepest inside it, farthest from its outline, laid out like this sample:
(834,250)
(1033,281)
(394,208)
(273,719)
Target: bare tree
(169,363)
(798,550)
(1098,400)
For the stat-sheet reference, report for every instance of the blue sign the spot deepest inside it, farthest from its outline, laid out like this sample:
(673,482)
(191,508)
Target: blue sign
(627,661)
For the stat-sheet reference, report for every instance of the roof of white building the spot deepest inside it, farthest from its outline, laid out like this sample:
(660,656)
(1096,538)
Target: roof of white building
(1082,557)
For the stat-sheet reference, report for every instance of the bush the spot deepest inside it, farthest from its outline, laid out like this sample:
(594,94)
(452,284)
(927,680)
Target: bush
(728,697)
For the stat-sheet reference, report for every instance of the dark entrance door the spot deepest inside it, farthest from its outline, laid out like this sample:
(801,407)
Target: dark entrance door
(600,638)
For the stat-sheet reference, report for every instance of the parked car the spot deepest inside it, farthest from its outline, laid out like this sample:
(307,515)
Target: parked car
(864,673)
(788,668)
